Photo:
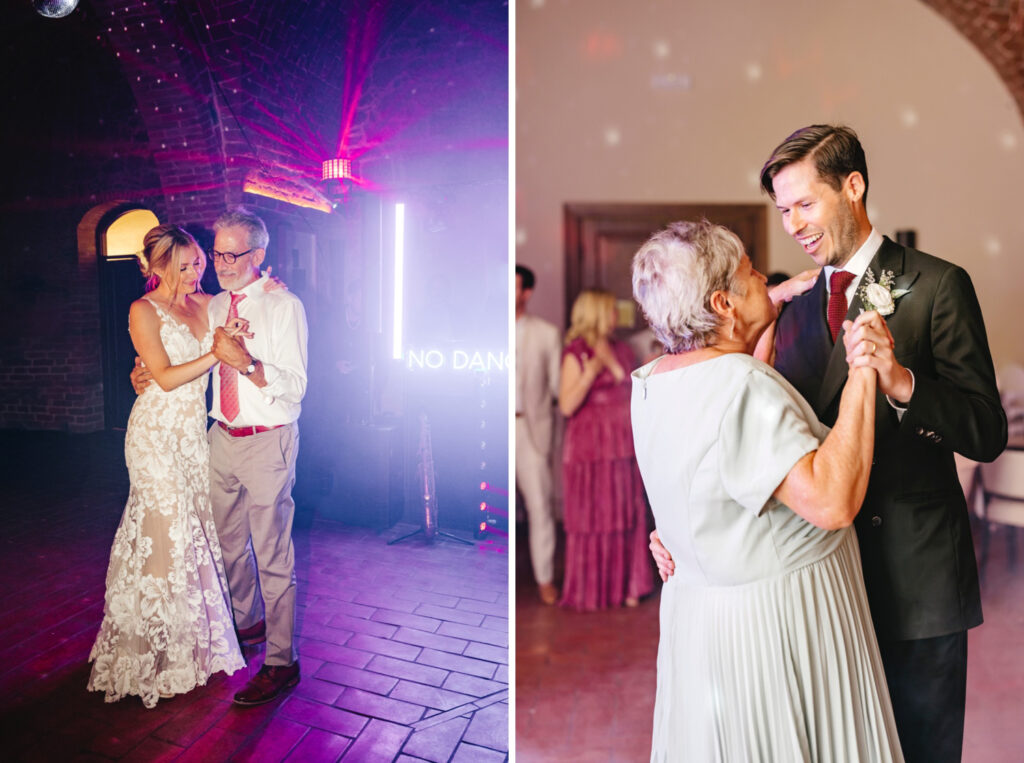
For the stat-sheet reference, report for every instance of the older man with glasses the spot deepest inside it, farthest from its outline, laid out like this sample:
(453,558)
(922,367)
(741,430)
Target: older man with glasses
(257,391)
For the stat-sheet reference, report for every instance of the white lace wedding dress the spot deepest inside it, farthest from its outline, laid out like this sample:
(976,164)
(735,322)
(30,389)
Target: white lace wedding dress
(166,622)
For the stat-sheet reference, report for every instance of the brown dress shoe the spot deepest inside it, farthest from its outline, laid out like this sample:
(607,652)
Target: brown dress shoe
(253,635)
(268,684)
(548,593)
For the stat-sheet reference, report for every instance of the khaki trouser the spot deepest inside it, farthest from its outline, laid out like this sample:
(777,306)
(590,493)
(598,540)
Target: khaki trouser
(533,481)
(251,481)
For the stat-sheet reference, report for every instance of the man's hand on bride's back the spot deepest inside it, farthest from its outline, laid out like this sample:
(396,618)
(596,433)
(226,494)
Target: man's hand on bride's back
(140,376)
(666,567)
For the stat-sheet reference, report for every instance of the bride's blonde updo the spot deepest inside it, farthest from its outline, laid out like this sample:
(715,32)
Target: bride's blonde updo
(163,249)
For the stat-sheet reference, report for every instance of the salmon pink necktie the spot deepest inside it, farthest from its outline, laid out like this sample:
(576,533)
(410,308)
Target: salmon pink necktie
(837,307)
(228,374)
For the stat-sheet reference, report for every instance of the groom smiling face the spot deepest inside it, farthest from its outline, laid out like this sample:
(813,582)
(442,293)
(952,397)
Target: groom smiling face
(245,269)
(829,224)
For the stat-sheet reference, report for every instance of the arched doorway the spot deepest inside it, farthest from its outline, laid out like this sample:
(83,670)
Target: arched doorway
(119,237)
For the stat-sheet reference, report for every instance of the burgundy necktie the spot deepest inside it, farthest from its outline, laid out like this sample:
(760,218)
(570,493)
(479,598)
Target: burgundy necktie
(228,374)
(837,306)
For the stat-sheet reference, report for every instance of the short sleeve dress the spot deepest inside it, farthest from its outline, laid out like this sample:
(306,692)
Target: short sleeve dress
(767,650)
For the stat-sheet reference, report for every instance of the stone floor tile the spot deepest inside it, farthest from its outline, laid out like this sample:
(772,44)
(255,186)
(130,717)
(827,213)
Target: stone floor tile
(432,640)
(359,679)
(468,753)
(470,633)
(384,646)
(487,652)
(437,743)
(496,623)
(361,625)
(376,706)
(477,687)
(417,621)
(317,690)
(448,661)
(430,696)
(451,614)
(412,671)
(343,655)
(323,717)
(380,742)
(273,742)
(319,746)
(497,609)
(489,728)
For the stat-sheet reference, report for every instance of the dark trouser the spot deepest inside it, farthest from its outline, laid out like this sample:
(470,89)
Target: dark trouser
(928,686)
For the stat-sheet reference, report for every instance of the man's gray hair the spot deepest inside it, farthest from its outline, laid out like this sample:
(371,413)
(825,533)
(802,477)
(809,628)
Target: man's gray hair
(255,228)
(674,275)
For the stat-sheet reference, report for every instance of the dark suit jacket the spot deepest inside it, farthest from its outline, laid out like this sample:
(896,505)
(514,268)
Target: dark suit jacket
(915,538)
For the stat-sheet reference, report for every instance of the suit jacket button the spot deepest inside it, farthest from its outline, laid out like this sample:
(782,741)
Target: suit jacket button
(876,521)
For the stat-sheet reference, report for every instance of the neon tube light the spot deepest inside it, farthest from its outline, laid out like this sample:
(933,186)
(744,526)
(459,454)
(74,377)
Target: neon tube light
(396,340)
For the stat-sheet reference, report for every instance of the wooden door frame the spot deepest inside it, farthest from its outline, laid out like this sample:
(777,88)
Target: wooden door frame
(577,215)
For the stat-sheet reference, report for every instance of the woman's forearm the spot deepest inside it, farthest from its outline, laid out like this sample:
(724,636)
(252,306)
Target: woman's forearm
(827,487)
(575,382)
(171,377)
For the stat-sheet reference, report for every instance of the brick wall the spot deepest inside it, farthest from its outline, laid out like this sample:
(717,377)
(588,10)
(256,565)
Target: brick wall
(996,29)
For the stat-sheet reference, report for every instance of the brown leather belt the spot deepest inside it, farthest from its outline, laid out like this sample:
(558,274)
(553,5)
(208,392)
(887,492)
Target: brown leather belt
(246,431)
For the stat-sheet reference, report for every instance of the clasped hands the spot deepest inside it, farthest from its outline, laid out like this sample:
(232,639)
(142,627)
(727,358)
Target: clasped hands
(869,343)
(602,358)
(227,344)
(228,335)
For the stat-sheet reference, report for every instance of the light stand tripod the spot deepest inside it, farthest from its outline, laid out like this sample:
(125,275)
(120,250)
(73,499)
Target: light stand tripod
(425,480)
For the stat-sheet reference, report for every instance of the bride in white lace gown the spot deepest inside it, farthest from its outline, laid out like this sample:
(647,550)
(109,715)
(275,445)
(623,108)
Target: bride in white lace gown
(167,625)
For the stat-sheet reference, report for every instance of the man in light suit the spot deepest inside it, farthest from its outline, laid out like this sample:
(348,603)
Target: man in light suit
(538,359)
(937,396)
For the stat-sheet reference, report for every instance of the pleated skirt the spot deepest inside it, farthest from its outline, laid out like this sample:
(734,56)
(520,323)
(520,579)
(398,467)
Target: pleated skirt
(783,669)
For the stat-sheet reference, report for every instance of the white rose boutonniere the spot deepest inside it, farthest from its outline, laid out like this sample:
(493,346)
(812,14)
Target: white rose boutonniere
(879,295)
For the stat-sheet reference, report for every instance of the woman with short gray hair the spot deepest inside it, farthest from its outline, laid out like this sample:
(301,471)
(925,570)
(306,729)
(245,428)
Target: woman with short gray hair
(767,650)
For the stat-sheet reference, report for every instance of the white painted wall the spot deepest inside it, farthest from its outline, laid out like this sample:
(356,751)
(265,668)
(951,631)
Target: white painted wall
(662,101)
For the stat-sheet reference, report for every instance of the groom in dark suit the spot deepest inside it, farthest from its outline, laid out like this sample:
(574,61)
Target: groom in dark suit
(937,396)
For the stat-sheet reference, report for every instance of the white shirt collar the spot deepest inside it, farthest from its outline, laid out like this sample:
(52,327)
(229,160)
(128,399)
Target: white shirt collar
(860,260)
(252,289)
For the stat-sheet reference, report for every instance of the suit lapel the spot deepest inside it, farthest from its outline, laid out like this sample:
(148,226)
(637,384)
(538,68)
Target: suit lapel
(888,257)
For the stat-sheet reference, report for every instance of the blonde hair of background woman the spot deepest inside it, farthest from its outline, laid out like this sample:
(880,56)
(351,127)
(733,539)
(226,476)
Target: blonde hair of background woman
(591,316)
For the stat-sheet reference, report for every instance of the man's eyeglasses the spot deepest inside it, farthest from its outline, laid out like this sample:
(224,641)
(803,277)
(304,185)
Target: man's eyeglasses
(228,257)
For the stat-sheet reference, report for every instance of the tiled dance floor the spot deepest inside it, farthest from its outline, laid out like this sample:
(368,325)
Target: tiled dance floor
(403,648)
(585,682)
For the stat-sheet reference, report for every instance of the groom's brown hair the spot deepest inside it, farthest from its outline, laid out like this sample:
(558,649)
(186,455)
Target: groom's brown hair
(835,151)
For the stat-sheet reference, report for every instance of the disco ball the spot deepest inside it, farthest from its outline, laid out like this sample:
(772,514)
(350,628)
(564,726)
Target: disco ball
(54,9)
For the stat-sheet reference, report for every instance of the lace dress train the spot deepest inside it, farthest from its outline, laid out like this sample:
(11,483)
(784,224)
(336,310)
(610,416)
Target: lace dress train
(167,624)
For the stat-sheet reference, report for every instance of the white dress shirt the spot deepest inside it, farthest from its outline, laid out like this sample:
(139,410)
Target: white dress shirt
(858,265)
(277,321)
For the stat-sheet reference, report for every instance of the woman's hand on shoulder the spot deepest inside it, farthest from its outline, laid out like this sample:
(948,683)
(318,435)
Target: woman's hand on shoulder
(793,287)
(273,282)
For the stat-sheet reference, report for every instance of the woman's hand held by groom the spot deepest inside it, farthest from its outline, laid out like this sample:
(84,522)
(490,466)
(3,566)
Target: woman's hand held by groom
(869,343)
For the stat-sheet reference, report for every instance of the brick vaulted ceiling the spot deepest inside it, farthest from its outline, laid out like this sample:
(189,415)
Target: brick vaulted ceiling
(996,29)
(226,88)
(222,87)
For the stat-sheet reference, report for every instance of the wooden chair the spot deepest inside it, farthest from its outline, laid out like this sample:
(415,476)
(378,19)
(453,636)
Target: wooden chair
(999,499)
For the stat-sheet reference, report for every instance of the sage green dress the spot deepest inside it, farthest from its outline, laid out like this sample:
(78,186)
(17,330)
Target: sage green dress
(767,650)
